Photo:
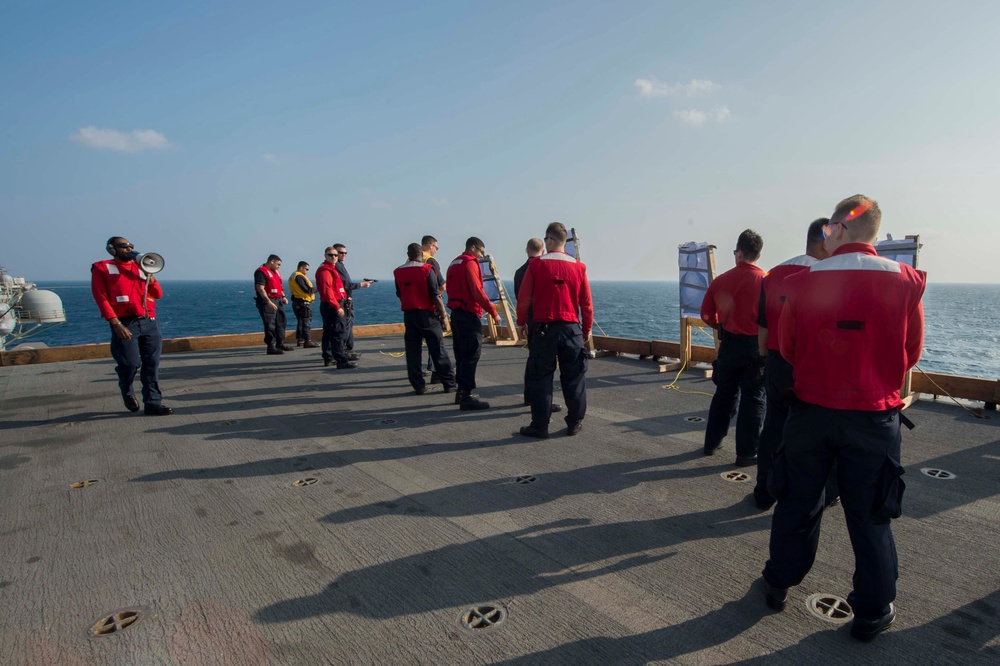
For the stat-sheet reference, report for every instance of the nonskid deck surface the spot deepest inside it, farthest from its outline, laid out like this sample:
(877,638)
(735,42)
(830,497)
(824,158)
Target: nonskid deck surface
(624,546)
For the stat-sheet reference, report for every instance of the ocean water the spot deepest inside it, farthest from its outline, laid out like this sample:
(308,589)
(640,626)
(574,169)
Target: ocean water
(962,321)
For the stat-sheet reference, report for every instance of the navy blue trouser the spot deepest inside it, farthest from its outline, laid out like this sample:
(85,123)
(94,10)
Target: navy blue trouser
(777,386)
(562,341)
(865,446)
(739,378)
(274,322)
(420,326)
(467,343)
(349,325)
(140,353)
(303,320)
(334,334)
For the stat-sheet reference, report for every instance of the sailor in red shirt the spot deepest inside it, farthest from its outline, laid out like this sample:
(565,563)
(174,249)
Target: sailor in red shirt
(468,301)
(419,295)
(270,299)
(777,371)
(730,305)
(556,292)
(126,296)
(851,327)
(331,299)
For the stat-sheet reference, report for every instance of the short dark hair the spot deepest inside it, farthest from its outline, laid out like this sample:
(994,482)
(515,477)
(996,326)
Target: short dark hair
(339,246)
(750,244)
(273,257)
(815,233)
(862,215)
(557,230)
(301,264)
(414,251)
(427,240)
(472,243)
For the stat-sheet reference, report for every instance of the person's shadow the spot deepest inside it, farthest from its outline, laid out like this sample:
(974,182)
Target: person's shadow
(511,564)
(505,494)
(714,628)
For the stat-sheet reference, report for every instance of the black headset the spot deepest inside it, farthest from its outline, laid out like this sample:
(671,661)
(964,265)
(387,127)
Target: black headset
(111,245)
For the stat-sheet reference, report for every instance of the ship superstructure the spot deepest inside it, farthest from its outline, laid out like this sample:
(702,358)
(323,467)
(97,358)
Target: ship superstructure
(26,310)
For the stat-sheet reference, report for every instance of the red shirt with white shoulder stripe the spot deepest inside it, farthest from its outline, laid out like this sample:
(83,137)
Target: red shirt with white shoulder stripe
(772,295)
(852,325)
(555,288)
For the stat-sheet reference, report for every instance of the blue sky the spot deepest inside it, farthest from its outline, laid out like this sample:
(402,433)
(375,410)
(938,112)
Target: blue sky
(217,133)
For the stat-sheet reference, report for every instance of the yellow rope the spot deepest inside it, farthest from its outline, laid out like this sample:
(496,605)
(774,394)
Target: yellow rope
(711,336)
(672,386)
(976,411)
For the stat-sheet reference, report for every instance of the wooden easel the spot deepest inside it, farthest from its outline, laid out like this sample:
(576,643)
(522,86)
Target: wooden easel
(687,321)
(499,335)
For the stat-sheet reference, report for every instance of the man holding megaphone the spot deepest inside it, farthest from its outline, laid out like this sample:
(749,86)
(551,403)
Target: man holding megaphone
(125,292)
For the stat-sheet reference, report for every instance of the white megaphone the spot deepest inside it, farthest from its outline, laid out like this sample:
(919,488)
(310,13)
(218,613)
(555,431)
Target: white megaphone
(149,262)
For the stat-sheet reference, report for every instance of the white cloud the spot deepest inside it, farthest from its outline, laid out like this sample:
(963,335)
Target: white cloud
(692,117)
(123,142)
(382,205)
(651,88)
(440,202)
(270,157)
(697,117)
(721,114)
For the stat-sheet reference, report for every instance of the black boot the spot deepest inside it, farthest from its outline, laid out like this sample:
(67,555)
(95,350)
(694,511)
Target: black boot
(459,395)
(468,401)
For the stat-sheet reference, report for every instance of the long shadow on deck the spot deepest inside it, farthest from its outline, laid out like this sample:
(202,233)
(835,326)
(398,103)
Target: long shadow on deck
(469,499)
(322,460)
(700,633)
(512,564)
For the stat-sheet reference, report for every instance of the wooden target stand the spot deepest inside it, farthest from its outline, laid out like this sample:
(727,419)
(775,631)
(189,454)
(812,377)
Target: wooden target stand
(689,324)
(503,335)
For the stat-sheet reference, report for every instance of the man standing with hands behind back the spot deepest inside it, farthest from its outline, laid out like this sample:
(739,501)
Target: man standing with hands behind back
(126,296)
(557,293)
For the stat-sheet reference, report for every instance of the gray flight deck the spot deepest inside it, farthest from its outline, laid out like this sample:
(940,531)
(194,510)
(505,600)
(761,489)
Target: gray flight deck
(628,547)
